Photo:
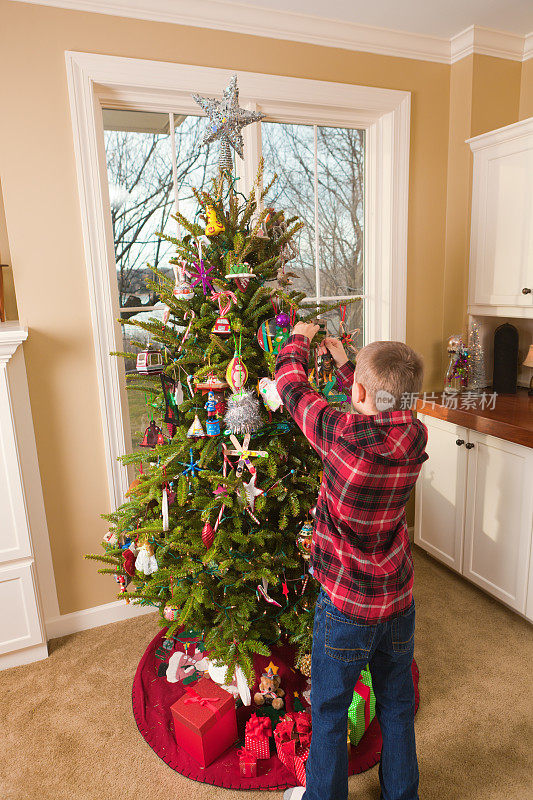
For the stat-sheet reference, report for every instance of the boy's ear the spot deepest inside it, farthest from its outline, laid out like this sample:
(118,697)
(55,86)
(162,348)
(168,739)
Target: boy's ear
(358,393)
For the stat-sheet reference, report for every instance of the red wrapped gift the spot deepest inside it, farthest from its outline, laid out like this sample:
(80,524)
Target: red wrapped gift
(293,737)
(205,723)
(257,731)
(247,763)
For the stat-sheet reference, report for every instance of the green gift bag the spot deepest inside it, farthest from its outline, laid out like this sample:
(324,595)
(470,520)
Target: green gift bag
(362,709)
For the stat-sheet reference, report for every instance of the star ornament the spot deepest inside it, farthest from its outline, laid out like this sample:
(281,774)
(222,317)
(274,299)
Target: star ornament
(226,119)
(251,491)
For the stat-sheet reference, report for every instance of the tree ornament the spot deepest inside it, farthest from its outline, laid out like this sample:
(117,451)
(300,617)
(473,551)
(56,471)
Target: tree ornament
(303,540)
(239,270)
(262,591)
(304,664)
(212,425)
(271,336)
(146,561)
(128,561)
(192,467)
(171,612)
(208,535)
(111,538)
(202,276)
(251,491)
(195,429)
(283,320)
(236,373)
(226,119)
(244,454)
(149,362)
(213,227)
(212,383)
(182,289)
(269,392)
(222,325)
(164,509)
(169,394)
(243,415)
(151,435)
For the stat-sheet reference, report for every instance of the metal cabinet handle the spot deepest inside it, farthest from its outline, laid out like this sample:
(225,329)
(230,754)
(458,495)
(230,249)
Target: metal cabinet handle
(526,291)
(459,442)
(469,446)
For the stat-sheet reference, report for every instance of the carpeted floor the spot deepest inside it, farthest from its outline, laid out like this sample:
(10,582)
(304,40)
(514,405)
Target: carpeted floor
(67,730)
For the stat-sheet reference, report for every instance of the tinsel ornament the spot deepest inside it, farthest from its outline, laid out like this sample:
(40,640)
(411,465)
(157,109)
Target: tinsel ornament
(243,414)
(208,535)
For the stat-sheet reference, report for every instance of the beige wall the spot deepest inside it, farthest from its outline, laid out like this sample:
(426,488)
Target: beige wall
(526,90)
(43,224)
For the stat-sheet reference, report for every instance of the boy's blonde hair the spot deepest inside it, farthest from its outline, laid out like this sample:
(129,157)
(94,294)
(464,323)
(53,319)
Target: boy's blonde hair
(389,368)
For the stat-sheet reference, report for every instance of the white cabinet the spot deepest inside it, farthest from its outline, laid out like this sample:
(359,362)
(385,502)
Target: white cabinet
(441,492)
(474,509)
(22,632)
(501,236)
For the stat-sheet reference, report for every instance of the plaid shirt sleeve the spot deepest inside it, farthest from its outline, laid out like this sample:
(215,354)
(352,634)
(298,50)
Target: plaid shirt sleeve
(319,422)
(345,375)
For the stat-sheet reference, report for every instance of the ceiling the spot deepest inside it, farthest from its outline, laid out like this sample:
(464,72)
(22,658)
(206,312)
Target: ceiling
(443,18)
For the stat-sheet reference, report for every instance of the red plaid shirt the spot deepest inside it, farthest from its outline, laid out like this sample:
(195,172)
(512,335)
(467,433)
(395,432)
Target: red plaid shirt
(360,550)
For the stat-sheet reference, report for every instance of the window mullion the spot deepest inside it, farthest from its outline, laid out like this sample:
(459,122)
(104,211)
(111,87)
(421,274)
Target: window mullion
(174,169)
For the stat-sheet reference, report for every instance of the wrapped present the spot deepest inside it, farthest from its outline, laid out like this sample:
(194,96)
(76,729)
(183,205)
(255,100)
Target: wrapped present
(205,722)
(361,711)
(257,733)
(366,678)
(247,763)
(291,751)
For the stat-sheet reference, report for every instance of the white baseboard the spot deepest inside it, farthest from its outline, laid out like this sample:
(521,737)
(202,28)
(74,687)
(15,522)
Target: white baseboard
(94,617)
(20,657)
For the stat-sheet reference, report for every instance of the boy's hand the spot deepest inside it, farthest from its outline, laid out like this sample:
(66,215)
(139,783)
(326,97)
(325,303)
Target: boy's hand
(335,347)
(308,329)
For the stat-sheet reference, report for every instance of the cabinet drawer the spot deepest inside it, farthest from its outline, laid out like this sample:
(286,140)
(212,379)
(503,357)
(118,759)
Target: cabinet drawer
(20,625)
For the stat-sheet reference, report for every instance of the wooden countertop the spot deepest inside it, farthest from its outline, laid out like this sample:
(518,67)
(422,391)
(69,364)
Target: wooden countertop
(509,416)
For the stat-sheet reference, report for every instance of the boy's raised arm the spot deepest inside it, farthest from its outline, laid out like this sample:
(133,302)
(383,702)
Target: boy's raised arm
(318,421)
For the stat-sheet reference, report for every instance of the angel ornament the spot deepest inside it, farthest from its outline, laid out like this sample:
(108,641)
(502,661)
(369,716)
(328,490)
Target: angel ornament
(146,561)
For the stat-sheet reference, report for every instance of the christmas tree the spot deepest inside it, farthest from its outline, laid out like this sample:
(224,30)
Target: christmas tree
(477,377)
(216,529)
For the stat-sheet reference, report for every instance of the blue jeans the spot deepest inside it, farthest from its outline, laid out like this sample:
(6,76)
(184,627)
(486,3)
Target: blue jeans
(342,647)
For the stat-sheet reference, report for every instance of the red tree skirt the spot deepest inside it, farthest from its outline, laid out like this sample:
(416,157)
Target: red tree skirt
(152,697)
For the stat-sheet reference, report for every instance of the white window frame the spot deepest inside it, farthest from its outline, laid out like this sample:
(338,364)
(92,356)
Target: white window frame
(97,81)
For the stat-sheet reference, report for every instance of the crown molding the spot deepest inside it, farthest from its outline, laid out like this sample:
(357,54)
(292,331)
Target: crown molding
(487,42)
(237,17)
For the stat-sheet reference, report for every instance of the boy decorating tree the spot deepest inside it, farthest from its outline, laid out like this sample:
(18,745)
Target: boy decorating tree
(360,554)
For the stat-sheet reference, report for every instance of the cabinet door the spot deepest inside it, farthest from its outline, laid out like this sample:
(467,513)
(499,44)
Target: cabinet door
(501,260)
(440,493)
(20,624)
(499,506)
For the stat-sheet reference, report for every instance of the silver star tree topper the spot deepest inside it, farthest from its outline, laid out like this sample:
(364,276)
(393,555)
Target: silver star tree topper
(226,121)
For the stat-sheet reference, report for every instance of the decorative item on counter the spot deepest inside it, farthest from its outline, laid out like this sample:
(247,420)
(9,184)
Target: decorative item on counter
(303,540)
(226,121)
(529,363)
(208,535)
(243,415)
(257,733)
(196,430)
(151,435)
(457,372)
(505,373)
(269,392)
(271,336)
(211,383)
(269,691)
(244,454)
(205,723)
(362,709)
(247,763)
(146,561)
(213,227)
(477,378)
(149,362)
